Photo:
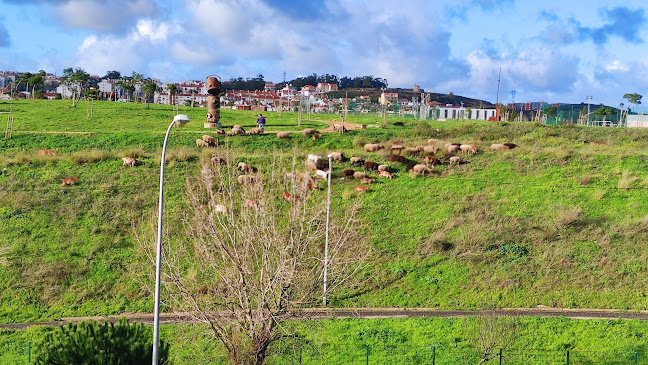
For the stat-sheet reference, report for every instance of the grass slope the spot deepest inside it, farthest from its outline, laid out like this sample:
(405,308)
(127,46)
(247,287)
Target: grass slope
(558,221)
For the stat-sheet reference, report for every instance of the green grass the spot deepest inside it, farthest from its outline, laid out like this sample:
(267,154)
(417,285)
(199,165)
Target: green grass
(559,221)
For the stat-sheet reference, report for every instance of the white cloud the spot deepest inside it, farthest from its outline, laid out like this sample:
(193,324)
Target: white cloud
(616,66)
(114,15)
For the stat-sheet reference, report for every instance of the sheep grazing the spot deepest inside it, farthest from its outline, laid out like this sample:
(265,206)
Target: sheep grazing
(249,203)
(468,148)
(347,173)
(368,180)
(245,167)
(432,141)
(510,145)
(370,165)
(287,197)
(397,148)
(237,130)
(363,126)
(421,169)
(399,124)
(321,174)
(308,131)
(410,166)
(281,135)
(69,180)
(502,146)
(218,161)
(337,156)
(431,160)
(453,147)
(129,161)
(220,131)
(385,174)
(430,149)
(357,161)
(336,127)
(398,158)
(359,175)
(373,147)
(255,131)
(211,141)
(46,153)
(455,160)
(399,142)
(413,151)
(316,136)
(383,167)
(246,179)
(313,157)
(361,189)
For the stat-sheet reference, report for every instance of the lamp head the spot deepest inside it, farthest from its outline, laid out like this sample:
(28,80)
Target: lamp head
(180,120)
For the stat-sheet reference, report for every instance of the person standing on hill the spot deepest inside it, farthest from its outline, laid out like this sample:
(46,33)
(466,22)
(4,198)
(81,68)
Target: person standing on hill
(261,122)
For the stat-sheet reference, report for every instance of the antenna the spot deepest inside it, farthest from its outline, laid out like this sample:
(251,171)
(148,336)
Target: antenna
(513,96)
(284,75)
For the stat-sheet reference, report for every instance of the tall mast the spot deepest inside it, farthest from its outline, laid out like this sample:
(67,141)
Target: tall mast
(497,109)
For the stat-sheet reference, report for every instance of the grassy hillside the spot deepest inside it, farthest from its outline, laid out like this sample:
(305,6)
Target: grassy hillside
(559,221)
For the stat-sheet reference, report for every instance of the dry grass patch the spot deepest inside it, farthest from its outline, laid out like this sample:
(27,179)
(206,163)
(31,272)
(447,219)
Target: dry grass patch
(626,181)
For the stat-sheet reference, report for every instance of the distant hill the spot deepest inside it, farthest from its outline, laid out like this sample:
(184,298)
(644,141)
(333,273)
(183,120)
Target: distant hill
(408,94)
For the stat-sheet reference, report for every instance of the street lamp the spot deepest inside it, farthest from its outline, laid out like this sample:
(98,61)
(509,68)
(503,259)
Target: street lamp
(180,120)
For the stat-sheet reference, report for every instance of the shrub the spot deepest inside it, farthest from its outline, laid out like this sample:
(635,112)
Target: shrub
(95,343)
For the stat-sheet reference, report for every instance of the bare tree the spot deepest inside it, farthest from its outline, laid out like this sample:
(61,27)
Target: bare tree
(493,332)
(254,253)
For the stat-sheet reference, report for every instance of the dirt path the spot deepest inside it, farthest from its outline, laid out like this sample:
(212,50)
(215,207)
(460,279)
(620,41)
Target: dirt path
(366,313)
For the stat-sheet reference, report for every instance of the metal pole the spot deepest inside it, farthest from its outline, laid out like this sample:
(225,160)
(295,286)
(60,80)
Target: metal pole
(158,255)
(326,241)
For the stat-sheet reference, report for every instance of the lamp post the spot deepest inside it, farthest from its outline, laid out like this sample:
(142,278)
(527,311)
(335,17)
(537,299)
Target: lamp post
(180,120)
(326,241)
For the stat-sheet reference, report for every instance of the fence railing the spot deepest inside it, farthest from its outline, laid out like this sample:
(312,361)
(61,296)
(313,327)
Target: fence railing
(436,355)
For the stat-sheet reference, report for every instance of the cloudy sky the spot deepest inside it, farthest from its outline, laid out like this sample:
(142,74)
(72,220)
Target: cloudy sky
(549,50)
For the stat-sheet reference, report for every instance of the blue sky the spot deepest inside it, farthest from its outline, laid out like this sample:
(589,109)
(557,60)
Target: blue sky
(550,50)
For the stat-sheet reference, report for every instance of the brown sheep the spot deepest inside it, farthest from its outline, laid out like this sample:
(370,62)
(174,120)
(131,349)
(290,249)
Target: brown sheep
(238,131)
(220,131)
(316,136)
(244,167)
(308,131)
(468,148)
(201,143)
(69,180)
(410,166)
(249,203)
(370,165)
(368,180)
(431,160)
(385,174)
(211,141)
(421,169)
(383,168)
(246,179)
(398,158)
(287,197)
(281,135)
(359,175)
(347,173)
(361,189)
(430,149)
(510,145)
(498,147)
(455,160)
(399,142)
(217,161)
(46,153)
(357,161)
(373,147)
(129,161)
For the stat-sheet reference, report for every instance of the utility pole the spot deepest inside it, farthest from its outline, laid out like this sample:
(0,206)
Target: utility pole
(589,99)
(497,109)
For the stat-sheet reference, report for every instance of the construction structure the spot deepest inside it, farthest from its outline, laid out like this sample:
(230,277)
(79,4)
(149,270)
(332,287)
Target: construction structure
(213,85)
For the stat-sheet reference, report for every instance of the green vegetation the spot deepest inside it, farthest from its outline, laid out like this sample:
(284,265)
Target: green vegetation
(559,221)
(95,343)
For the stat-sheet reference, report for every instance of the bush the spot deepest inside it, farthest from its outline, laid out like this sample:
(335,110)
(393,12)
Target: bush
(95,343)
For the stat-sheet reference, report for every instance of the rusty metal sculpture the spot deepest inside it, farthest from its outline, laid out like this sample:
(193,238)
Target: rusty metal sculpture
(213,85)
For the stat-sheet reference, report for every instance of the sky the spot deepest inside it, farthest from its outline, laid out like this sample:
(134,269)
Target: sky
(549,50)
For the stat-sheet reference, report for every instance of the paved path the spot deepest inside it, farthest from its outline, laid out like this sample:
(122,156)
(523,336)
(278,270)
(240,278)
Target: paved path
(366,313)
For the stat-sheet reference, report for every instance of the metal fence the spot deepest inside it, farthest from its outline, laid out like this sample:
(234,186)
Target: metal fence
(404,354)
